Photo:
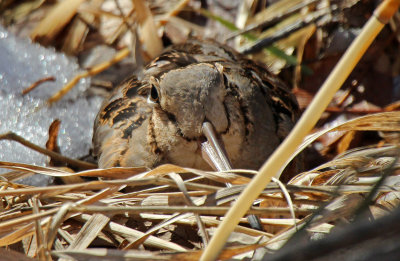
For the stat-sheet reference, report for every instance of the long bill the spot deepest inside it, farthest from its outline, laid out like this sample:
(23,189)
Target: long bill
(214,153)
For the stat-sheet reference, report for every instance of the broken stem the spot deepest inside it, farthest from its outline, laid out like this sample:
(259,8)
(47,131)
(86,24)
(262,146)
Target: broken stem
(54,155)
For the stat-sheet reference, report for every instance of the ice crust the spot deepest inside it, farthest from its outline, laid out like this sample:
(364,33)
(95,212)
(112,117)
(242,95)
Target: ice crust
(23,63)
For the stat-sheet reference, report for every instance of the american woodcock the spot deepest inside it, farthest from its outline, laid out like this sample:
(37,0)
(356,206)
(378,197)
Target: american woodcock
(159,118)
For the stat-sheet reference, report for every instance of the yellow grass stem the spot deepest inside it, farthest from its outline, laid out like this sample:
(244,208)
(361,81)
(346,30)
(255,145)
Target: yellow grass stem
(90,72)
(55,21)
(302,128)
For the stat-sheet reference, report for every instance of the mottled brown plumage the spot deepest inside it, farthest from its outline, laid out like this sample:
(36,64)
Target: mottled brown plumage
(158,119)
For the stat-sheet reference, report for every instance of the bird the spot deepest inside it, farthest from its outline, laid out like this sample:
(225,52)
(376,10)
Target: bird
(158,118)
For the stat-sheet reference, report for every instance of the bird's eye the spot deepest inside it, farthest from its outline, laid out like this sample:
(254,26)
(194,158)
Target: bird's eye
(153,96)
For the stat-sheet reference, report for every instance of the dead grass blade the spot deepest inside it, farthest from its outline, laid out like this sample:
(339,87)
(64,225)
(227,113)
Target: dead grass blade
(39,234)
(60,189)
(148,30)
(52,154)
(24,231)
(55,20)
(173,218)
(110,254)
(146,255)
(189,202)
(56,221)
(168,221)
(113,173)
(132,234)
(16,13)
(288,198)
(89,231)
(385,121)
(32,168)
(79,28)
(222,177)
(90,72)
(174,11)
(174,209)
(8,254)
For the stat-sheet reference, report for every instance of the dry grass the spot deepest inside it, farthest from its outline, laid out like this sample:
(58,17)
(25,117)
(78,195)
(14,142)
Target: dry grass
(148,210)
(66,219)
(168,213)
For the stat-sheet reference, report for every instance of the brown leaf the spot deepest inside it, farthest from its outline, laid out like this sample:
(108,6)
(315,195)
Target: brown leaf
(148,30)
(51,143)
(344,143)
(55,21)
(13,255)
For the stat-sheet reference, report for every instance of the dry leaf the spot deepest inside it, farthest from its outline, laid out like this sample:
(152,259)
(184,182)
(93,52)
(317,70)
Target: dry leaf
(55,20)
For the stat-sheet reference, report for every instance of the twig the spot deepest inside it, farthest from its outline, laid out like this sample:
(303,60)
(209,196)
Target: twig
(90,72)
(37,83)
(54,155)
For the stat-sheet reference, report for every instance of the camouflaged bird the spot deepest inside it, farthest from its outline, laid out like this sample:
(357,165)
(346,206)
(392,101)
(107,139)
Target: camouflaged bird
(158,119)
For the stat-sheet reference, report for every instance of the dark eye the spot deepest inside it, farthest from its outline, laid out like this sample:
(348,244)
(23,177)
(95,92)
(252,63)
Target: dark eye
(154,97)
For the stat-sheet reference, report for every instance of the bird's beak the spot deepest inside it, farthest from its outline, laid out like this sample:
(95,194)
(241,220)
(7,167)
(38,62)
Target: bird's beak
(213,151)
